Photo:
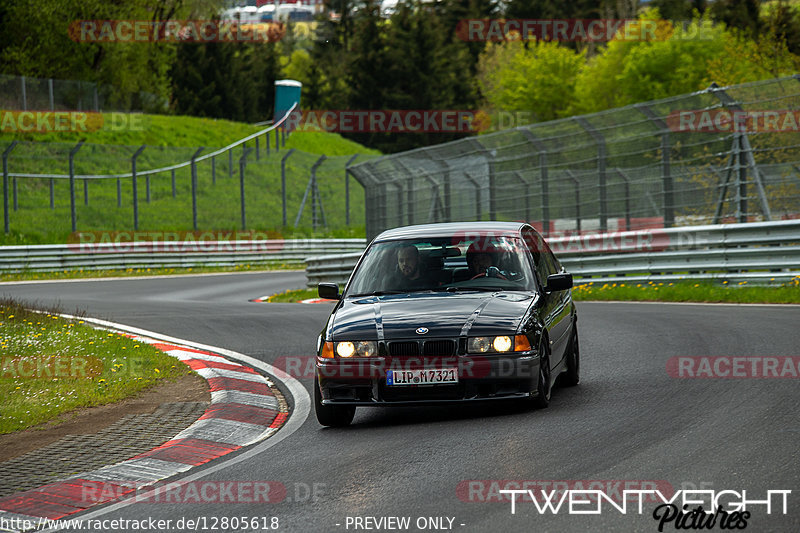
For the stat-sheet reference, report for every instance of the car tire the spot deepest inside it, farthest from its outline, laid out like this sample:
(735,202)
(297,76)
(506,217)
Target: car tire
(572,376)
(332,415)
(543,388)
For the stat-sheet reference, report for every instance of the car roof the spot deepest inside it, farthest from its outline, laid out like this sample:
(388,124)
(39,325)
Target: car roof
(448,229)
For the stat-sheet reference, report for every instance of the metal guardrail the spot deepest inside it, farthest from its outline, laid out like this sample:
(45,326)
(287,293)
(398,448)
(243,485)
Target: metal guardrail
(135,255)
(763,252)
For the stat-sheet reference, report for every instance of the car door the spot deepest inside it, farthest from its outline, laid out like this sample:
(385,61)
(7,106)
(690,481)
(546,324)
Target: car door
(555,306)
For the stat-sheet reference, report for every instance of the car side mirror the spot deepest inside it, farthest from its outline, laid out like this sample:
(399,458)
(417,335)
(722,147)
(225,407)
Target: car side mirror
(558,282)
(329,291)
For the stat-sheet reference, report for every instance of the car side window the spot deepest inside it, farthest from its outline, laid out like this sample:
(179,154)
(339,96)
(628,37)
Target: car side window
(536,246)
(553,266)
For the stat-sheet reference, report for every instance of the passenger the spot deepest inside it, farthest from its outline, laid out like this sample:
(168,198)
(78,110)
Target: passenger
(481,259)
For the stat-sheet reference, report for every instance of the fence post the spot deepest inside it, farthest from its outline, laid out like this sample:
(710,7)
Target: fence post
(50,94)
(119,192)
(230,163)
(242,164)
(266,143)
(601,169)
(315,197)
(135,192)
(52,193)
(6,153)
(72,185)
(310,188)
(526,187)
(542,149)
(492,186)
(24,94)
(666,171)
(14,186)
(627,183)
(745,160)
(577,198)
(85,191)
(283,182)
(742,179)
(258,154)
(347,189)
(277,142)
(194,183)
(477,195)
(173,183)
(147,188)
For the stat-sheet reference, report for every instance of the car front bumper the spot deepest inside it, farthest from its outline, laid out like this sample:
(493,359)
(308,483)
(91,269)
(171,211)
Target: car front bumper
(480,377)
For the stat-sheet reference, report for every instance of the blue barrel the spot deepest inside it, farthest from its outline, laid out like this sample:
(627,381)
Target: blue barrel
(287,93)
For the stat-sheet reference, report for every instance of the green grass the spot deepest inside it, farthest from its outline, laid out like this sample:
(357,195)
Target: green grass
(52,365)
(152,130)
(788,293)
(171,140)
(293,296)
(654,292)
(88,274)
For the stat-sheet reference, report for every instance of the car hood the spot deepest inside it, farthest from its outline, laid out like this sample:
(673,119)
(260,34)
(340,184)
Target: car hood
(444,314)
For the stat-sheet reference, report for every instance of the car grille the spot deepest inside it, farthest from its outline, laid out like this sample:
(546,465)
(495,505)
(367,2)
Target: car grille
(439,347)
(404,348)
(442,347)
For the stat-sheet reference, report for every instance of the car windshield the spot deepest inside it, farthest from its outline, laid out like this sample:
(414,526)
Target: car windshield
(457,263)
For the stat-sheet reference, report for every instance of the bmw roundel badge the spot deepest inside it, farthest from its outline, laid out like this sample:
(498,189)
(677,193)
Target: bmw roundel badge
(422,331)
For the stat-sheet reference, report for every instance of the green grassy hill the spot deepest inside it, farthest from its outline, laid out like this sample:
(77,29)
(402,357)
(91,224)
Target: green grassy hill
(171,140)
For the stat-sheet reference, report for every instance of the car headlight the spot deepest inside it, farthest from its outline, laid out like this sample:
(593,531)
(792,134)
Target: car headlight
(356,348)
(498,344)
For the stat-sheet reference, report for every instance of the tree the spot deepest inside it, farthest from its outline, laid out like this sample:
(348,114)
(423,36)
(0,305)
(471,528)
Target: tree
(35,41)
(540,79)
(743,15)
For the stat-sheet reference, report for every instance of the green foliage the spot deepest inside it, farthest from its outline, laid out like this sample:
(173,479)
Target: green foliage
(739,14)
(552,81)
(540,77)
(35,41)
(235,81)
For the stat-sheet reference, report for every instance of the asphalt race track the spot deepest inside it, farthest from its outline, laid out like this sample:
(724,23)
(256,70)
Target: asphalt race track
(627,421)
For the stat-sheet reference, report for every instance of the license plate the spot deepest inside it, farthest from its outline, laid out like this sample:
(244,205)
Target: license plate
(422,377)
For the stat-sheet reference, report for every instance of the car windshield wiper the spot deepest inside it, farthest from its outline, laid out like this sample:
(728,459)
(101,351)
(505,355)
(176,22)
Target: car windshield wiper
(379,293)
(461,289)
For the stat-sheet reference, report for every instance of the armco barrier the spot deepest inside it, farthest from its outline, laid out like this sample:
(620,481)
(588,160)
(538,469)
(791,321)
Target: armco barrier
(760,252)
(111,256)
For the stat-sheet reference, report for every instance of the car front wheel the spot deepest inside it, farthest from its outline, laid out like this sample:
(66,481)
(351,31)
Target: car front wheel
(542,399)
(572,376)
(332,415)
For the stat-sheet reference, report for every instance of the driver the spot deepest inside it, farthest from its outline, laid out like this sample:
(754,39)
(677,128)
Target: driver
(409,273)
(408,262)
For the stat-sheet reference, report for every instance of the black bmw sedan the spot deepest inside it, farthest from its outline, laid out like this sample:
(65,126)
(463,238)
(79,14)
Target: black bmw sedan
(447,313)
